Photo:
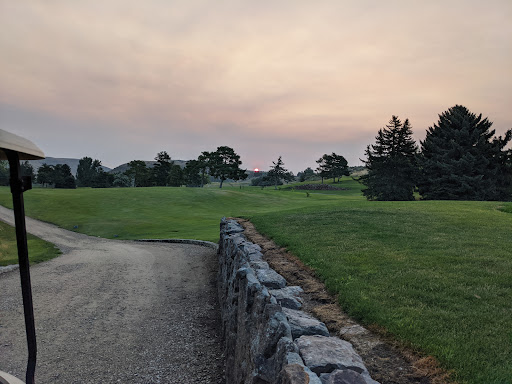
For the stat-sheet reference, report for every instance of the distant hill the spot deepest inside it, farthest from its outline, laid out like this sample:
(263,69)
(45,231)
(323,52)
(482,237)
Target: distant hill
(73,163)
(150,164)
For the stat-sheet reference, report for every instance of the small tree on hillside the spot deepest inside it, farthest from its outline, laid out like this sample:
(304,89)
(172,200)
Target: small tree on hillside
(162,169)
(461,159)
(224,164)
(103,179)
(323,167)
(338,166)
(278,172)
(87,171)
(391,163)
(121,180)
(203,164)
(45,174)
(62,177)
(332,165)
(176,176)
(139,173)
(194,174)
(307,174)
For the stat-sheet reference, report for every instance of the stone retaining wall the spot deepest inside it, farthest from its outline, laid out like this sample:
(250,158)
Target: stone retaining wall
(268,339)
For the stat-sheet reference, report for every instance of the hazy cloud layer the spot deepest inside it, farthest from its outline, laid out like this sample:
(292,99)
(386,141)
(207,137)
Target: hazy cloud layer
(122,80)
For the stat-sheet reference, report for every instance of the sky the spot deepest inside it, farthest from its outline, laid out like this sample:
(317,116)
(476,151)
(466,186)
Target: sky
(119,80)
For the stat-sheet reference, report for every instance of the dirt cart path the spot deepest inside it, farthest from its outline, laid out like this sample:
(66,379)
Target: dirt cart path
(115,312)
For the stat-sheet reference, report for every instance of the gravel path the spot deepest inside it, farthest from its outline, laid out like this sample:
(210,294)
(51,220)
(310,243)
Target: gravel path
(115,312)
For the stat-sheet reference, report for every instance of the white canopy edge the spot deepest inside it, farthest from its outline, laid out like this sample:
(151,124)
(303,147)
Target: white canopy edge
(26,149)
(9,379)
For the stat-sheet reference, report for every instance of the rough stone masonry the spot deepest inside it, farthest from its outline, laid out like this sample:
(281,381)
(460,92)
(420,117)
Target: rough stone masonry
(268,339)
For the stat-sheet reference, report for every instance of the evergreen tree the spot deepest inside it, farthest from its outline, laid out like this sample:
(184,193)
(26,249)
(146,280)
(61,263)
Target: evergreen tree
(103,179)
(45,174)
(278,172)
(139,173)
(162,169)
(176,176)
(193,174)
(462,160)
(391,163)
(203,164)
(62,177)
(338,166)
(323,169)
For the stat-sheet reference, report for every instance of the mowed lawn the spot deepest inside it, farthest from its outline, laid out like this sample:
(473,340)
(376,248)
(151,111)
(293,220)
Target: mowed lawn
(40,250)
(435,274)
(159,212)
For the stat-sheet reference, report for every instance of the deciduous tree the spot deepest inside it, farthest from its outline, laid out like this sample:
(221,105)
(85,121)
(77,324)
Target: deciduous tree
(307,174)
(224,164)
(87,171)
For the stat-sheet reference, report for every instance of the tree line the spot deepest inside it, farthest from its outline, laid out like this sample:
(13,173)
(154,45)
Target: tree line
(460,159)
(221,165)
(332,165)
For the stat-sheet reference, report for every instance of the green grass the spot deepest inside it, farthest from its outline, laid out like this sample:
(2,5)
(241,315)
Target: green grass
(134,213)
(38,250)
(435,274)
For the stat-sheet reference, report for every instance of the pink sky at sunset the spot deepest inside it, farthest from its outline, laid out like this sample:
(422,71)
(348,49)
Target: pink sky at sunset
(121,80)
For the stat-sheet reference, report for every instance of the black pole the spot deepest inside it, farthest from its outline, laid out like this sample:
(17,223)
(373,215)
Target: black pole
(18,186)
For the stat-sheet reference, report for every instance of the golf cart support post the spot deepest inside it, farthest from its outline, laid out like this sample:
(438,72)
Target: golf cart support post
(15,148)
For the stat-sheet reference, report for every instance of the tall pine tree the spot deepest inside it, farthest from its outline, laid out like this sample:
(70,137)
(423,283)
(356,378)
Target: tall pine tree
(391,163)
(462,160)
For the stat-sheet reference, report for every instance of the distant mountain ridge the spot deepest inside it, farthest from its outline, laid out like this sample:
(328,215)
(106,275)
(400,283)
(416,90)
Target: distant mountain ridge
(150,164)
(73,164)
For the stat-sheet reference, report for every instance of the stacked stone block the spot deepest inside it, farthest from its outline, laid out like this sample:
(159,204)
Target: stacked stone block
(268,339)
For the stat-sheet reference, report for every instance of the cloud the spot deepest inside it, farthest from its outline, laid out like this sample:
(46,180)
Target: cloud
(306,75)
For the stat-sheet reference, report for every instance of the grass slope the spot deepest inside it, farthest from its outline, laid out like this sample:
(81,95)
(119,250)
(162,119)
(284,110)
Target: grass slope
(38,250)
(134,213)
(435,274)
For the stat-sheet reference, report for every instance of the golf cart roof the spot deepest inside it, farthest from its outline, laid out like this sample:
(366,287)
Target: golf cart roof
(26,149)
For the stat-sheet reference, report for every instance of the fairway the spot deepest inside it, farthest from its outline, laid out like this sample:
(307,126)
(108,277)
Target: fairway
(158,212)
(434,274)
